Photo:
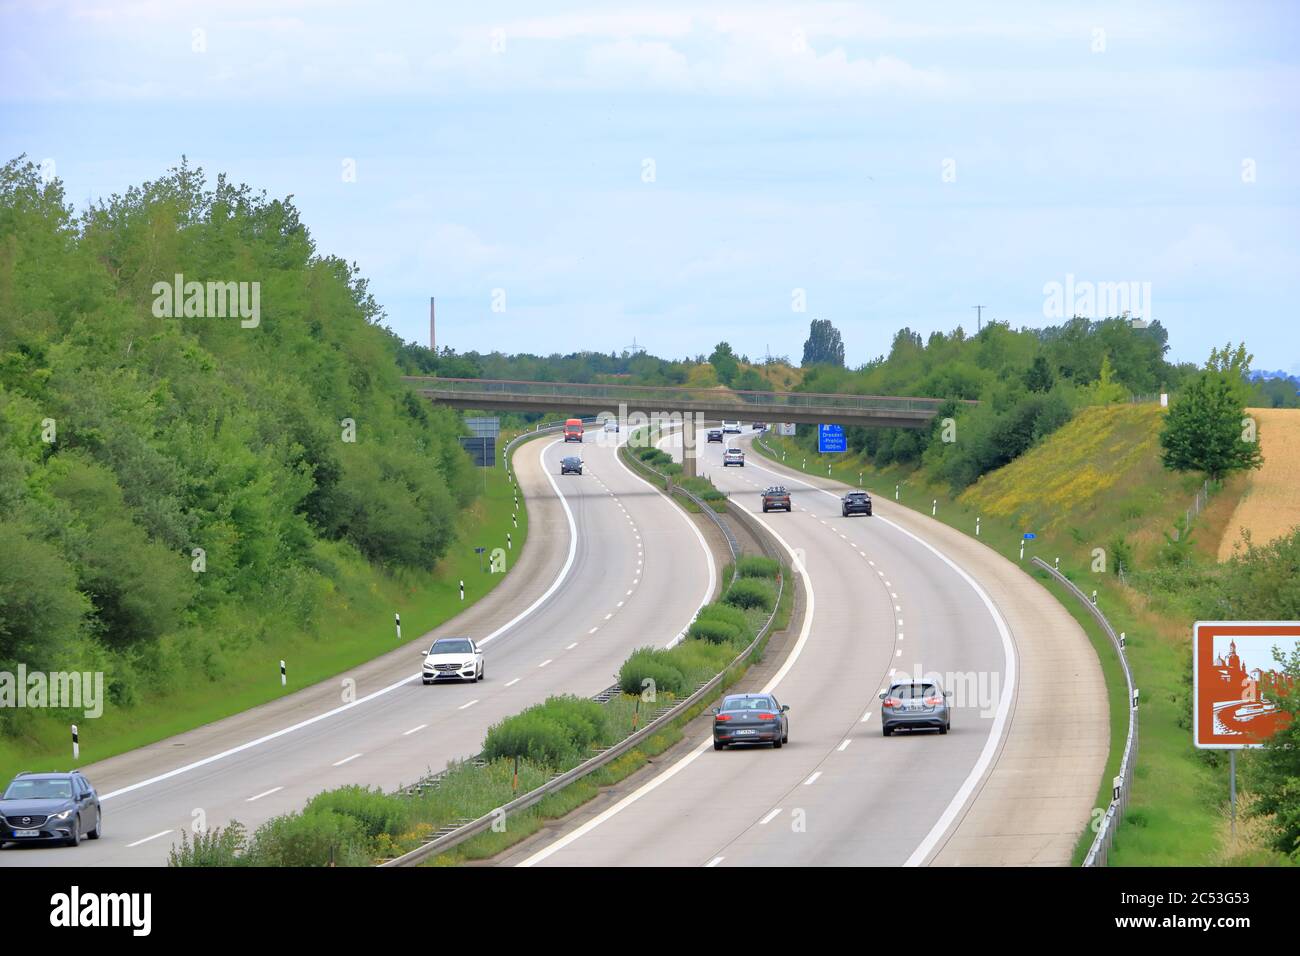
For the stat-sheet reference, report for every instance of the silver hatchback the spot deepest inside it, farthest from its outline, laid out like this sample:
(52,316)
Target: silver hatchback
(915,705)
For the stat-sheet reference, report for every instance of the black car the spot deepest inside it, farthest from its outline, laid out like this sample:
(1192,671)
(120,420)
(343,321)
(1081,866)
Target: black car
(50,807)
(776,497)
(750,719)
(856,503)
(715,434)
(571,465)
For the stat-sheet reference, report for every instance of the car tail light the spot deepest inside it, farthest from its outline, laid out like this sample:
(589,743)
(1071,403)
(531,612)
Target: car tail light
(721,717)
(893,702)
(933,701)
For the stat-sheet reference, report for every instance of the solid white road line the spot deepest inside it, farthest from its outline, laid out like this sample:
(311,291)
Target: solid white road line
(994,739)
(559,579)
(660,779)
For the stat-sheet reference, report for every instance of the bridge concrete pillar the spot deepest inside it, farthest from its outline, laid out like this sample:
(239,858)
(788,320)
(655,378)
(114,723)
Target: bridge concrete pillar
(690,468)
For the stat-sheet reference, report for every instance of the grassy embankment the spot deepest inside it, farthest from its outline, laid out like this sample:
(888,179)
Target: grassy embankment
(354,626)
(1095,482)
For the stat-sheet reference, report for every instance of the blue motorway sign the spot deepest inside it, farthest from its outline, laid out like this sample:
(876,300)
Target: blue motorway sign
(1030,535)
(830,438)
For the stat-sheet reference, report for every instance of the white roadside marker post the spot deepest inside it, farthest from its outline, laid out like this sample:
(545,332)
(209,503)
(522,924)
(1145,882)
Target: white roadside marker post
(397,619)
(934,507)
(1022,549)
(283,678)
(509,545)
(977,527)
(462,590)
(76,743)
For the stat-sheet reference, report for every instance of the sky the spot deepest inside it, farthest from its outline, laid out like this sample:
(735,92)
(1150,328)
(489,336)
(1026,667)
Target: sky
(570,176)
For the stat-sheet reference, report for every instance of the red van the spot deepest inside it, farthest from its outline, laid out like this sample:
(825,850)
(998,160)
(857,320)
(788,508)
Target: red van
(573,429)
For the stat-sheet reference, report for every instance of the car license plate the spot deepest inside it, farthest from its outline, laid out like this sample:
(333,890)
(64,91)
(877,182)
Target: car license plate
(739,732)
(27,833)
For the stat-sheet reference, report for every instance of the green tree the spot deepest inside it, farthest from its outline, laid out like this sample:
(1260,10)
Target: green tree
(1206,429)
(724,363)
(1273,771)
(1040,377)
(824,345)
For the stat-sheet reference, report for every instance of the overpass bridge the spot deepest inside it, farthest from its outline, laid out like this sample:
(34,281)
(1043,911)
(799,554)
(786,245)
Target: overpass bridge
(566,398)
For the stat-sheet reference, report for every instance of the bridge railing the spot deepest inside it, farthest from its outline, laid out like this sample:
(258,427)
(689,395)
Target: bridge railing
(672,398)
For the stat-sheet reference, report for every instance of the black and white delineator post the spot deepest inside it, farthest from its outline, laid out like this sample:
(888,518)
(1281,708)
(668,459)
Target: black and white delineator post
(283,678)
(977,527)
(1116,786)
(76,743)
(397,619)
(509,545)
(1123,641)
(462,590)
(515,519)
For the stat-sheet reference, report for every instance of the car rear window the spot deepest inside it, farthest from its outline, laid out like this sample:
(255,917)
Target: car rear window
(914,691)
(748,703)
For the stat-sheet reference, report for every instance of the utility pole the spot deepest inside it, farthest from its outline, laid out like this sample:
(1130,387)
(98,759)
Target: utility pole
(979,318)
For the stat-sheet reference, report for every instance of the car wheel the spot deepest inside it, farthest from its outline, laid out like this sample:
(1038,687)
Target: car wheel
(99,825)
(718,746)
(75,840)
(885,731)
(943,729)
(777,744)
(482,671)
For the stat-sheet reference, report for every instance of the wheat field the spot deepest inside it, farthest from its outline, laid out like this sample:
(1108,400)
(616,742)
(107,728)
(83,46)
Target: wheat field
(1271,504)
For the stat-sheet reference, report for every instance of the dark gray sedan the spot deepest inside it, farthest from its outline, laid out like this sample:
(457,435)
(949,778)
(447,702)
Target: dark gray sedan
(915,705)
(750,719)
(571,465)
(50,807)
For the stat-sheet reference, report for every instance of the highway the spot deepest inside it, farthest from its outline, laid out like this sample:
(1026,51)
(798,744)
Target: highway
(1012,783)
(610,565)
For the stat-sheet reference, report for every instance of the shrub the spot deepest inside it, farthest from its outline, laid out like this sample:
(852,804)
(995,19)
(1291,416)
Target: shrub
(376,811)
(756,566)
(554,732)
(749,593)
(530,734)
(726,613)
(715,631)
(215,847)
(699,660)
(310,839)
(652,664)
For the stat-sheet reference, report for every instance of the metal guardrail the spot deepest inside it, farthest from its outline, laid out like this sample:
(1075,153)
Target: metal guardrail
(455,835)
(1123,782)
(678,397)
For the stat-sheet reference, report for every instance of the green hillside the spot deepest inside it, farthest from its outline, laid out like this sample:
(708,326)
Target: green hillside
(185,500)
